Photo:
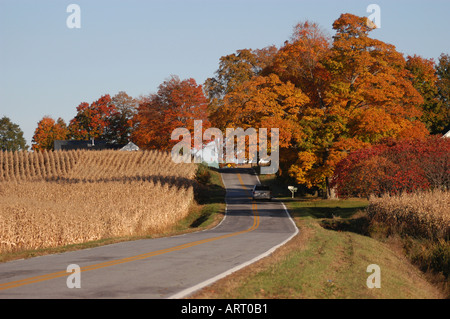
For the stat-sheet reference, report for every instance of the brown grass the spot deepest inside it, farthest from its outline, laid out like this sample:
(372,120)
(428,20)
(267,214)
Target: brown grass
(50,199)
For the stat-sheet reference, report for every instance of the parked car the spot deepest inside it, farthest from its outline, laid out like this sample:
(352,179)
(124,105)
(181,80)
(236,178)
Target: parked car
(261,192)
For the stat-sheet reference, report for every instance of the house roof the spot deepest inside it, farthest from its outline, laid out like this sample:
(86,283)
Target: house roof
(85,144)
(130,147)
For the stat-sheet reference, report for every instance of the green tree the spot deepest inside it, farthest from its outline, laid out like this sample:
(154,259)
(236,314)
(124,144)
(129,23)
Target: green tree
(425,80)
(443,74)
(11,136)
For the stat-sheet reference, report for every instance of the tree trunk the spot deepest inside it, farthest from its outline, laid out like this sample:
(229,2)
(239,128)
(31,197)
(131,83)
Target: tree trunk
(330,192)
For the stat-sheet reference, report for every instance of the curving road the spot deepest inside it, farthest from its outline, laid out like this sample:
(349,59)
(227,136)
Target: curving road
(171,267)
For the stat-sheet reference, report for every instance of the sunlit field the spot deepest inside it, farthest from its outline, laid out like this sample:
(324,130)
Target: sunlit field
(49,199)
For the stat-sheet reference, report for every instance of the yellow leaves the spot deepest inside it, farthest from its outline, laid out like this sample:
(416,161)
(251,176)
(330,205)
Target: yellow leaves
(412,130)
(300,174)
(301,170)
(266,102)
(373,124)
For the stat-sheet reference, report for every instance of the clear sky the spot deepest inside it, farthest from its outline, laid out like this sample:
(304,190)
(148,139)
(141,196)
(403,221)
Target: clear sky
(47,68)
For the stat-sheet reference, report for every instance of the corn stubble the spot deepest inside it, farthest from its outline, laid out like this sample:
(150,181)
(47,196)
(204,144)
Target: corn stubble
(50,199)
(423,214)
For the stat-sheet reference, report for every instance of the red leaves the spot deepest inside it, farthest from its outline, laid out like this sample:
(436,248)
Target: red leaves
(396,167)
(177,104)
(92,120)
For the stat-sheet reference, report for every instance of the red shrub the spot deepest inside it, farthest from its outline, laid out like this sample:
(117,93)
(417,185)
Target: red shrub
(395,167)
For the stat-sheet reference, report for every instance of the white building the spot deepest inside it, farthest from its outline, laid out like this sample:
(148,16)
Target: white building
(209,153)
(130,147)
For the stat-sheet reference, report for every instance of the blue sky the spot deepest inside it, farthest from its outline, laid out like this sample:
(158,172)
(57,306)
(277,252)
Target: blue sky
(134,45)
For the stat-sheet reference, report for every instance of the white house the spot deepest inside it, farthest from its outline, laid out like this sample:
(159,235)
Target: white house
(209,153)
(130,147)
(447,135)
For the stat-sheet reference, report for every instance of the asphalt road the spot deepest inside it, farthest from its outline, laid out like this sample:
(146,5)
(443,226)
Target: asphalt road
(171,267)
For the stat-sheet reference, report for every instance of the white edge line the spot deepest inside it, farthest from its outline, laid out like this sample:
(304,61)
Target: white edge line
(188,291)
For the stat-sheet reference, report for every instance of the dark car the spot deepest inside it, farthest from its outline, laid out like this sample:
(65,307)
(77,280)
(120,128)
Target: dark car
(261,192)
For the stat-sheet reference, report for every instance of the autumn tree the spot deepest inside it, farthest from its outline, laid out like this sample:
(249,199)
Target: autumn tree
(176,105)
(234,69)
(11,136)
(47,132)
(267,102)
(92,120)
(371,88)
(365,96)
(345,92)
(120,121)
(300,61)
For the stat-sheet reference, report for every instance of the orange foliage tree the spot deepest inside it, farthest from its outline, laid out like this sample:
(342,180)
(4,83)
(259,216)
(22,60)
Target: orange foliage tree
(344,93)
(266,102)
(177,104)
(92,120)
(302,62)
(234,70)
(47,132)
(364,95)
(371,89)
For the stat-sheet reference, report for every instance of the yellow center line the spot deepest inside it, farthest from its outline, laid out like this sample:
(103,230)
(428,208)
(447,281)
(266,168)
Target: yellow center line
(58,274)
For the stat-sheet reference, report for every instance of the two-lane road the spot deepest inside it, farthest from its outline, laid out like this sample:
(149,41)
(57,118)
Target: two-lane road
(171,267)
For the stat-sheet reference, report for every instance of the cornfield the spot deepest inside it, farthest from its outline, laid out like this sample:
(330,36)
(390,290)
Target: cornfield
(421,214)
(50,199)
